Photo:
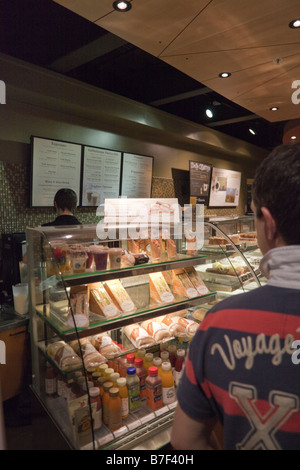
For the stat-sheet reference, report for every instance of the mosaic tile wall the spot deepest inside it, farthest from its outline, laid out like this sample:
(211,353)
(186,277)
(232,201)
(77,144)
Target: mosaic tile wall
(14,200)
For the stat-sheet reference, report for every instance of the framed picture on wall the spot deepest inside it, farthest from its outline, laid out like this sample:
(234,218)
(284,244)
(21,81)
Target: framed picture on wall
(200,176)
(55,165)
(136,181)
(101,175)
(224,188)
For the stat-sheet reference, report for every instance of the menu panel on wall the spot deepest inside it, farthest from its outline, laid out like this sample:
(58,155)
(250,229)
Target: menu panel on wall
(55,165)
(136,175)
(225,188)
(101,175)
(200,174)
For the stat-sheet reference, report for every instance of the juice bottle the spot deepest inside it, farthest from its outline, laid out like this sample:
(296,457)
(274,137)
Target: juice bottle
(141,353)
(153,389)
(125,362)
(157,363)
(141,373)
(179,365)
(167,382)
(148,361)
(102,368)
(105,399)
(95,377)
(108,372)
(133,386)
(97,407)
(114,378)
(122,386)
(165,356)
(100,383)
(114,409)
(172,354)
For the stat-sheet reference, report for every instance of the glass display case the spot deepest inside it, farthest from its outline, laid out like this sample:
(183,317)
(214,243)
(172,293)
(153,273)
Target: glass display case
(93,302)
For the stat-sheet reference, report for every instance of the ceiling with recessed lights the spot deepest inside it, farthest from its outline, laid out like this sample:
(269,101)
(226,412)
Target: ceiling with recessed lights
(170,54)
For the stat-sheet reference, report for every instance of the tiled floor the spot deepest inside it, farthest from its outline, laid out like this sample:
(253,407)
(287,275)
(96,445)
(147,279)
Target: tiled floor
(28,427)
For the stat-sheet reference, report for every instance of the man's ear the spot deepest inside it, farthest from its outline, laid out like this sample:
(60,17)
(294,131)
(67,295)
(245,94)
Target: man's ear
(270,224)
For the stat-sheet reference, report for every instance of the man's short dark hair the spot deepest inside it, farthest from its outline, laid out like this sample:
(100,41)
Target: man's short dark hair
(277,187)
(66,198)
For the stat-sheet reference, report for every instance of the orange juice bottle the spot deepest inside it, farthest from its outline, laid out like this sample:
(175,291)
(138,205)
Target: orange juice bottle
(100,383)
(114,377)
(105,400)
(114,409)
(153,389)
(167,382)
(157,363)
(141,353)
(123,390)
(102,369)
(148,361)
(108,372)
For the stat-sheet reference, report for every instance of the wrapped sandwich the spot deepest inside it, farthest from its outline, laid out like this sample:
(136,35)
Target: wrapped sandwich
(174,328)
(159,331)
(91,357)
(138,336)
(100,302)
(120,296)
(64,356)
(105,345)
(159,289)
(190,326)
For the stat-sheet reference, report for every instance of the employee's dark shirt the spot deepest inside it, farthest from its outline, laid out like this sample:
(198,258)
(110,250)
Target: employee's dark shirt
(63,220)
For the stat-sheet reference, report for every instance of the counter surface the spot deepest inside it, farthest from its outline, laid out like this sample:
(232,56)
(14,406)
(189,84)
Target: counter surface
(9,319)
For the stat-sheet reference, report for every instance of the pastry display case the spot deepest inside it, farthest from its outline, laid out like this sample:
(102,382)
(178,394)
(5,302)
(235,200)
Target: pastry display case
(94,302)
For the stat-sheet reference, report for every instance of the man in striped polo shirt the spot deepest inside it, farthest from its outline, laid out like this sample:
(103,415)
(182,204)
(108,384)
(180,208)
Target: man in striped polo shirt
(243,366)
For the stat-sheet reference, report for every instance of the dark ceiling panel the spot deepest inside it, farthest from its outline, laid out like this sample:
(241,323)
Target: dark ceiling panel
(45,34)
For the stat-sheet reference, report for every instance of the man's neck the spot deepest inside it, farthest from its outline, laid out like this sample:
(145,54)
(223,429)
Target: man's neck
(64,212)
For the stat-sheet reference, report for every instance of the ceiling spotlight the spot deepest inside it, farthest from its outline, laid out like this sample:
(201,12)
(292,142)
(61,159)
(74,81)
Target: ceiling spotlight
(122,5)
(294,24)
(224,74)
(252,131)
(274,108)
(293,137)
(209,113)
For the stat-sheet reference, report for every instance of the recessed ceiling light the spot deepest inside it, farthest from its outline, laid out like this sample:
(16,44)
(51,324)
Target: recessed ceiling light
(122,5)
(295,24)
(252,131)
(293,137)
(209,113)
(224,74)
(274,108)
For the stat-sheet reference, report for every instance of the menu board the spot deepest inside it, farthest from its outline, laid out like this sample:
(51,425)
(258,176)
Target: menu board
(55,165)
(200,174)
(136,176)
(101,175)
(225,188)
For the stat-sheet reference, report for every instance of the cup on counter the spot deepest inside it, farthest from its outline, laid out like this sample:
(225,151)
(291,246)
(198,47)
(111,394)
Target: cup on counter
(100,253)
(115,256)
(78,258)
(89,264)
(20,295)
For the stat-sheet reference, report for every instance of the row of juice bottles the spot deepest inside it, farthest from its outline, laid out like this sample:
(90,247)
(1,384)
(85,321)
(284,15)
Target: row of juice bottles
(119,390)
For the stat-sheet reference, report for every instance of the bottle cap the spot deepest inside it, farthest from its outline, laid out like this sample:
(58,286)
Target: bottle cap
(172,348)
(141,353)
(164,355)
(153,370)
(114,376)
(157,361)
(101,380)
(181,352)
(165,366)
(131,370)
(138,361)
(107,385)
(90,384)
(113,391)
(109,371)
(103,366)
(121,381)
(149,357)
(130,357)
(94,391)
